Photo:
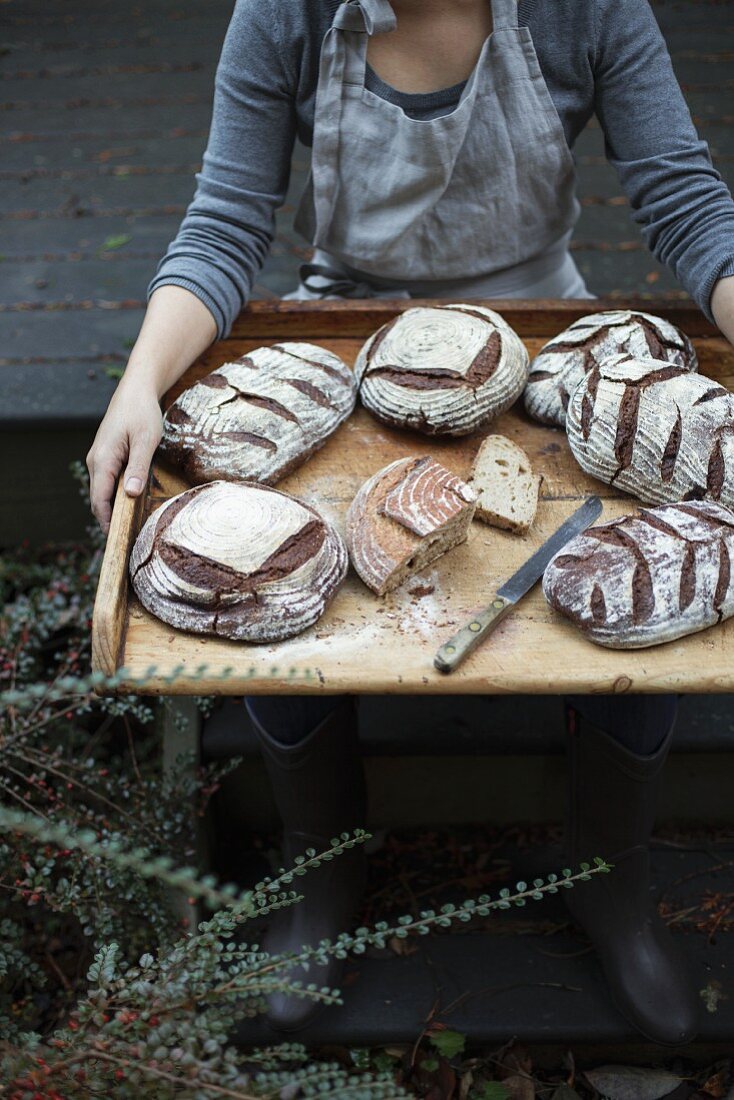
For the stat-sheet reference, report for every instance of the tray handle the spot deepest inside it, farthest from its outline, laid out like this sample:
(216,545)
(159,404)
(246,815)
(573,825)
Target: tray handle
(110,605)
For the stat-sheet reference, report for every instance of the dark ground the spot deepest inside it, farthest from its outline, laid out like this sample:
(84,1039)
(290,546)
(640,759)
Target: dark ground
(104,110)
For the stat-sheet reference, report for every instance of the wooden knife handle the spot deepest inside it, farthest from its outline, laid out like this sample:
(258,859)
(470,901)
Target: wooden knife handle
(453,652)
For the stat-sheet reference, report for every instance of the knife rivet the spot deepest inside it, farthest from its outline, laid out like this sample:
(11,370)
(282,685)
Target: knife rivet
(475,627)
(450,649)
(498,603)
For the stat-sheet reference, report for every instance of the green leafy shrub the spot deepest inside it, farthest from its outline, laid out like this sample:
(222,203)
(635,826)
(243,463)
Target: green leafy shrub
(162,1026)
(104,990)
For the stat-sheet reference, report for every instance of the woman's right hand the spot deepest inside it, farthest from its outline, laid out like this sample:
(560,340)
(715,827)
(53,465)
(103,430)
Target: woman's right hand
(126,439)
(176,328)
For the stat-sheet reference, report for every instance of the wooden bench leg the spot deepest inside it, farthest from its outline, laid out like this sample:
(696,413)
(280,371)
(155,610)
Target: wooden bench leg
(181,727)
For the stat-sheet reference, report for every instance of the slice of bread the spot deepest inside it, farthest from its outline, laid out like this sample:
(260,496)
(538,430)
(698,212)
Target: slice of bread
(506,487)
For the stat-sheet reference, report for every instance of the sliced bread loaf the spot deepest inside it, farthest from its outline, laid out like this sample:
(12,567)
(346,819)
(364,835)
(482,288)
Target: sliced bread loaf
(403,518)
(506,487)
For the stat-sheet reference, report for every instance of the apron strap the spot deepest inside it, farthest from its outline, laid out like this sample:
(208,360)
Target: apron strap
(505,15)
(326,283)
(366,16)
(322,281)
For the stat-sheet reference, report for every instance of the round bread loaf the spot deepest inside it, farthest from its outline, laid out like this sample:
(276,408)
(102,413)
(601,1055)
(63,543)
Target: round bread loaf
(655,431)
(260,417)
(443,370)
(647,578)
(239,561)
(403,518)
(561,364)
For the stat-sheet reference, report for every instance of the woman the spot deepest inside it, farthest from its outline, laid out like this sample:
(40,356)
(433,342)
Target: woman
(441,133)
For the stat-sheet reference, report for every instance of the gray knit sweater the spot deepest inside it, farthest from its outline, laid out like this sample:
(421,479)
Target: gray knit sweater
(597,56)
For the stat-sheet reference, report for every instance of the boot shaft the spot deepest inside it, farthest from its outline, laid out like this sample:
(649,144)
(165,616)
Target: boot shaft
(612,792)
(318,784)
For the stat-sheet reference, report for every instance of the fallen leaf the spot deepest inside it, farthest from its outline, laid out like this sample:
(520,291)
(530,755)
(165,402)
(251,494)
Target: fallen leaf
(106,154)
(716,1085)
(514,1058)
(712,995)
(447,1042)
(494,1090)
(652,277)
(117,240)
(435,1079)
(402,947)
(465,1085)
(520,1087)
(632,1082)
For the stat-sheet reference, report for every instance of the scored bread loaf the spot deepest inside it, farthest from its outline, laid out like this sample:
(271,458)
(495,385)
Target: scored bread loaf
(655,431)
(403,518)
(443,370)
(506,487)
(647,578)
(561,364)
(259,417)
(237,560)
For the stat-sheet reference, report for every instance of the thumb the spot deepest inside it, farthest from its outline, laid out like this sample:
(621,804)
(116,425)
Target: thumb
(136,472)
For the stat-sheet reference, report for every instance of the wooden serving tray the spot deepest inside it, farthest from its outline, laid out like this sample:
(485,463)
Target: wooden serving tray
(365,644)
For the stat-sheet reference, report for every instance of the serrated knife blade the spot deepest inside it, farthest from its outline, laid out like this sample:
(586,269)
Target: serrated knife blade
(461,644)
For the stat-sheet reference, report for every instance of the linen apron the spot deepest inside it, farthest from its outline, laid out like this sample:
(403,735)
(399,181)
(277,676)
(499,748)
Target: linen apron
(476,203)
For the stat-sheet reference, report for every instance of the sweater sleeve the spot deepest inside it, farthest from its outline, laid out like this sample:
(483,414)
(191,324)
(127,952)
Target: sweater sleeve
(685,209)
(228,227)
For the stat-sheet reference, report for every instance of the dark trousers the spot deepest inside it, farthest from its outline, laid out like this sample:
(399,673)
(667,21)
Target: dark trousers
(639,722)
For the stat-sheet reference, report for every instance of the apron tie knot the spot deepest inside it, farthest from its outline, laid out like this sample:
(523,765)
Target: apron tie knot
(324,282)
(365,16)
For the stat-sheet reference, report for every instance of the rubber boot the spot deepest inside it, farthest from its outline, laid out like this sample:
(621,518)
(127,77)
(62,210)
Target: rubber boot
(319,791)
(612,803)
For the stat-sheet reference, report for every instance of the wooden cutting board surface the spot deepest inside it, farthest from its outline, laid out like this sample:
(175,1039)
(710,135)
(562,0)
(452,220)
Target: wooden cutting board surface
(366,644)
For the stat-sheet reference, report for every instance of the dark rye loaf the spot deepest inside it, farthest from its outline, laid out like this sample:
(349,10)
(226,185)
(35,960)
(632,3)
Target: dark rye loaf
(238,561)
(654,431)
(562,363)
(260,417)
(647,578)
(443,370)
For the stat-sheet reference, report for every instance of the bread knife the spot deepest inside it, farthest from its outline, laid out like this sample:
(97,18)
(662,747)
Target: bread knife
(453,652)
